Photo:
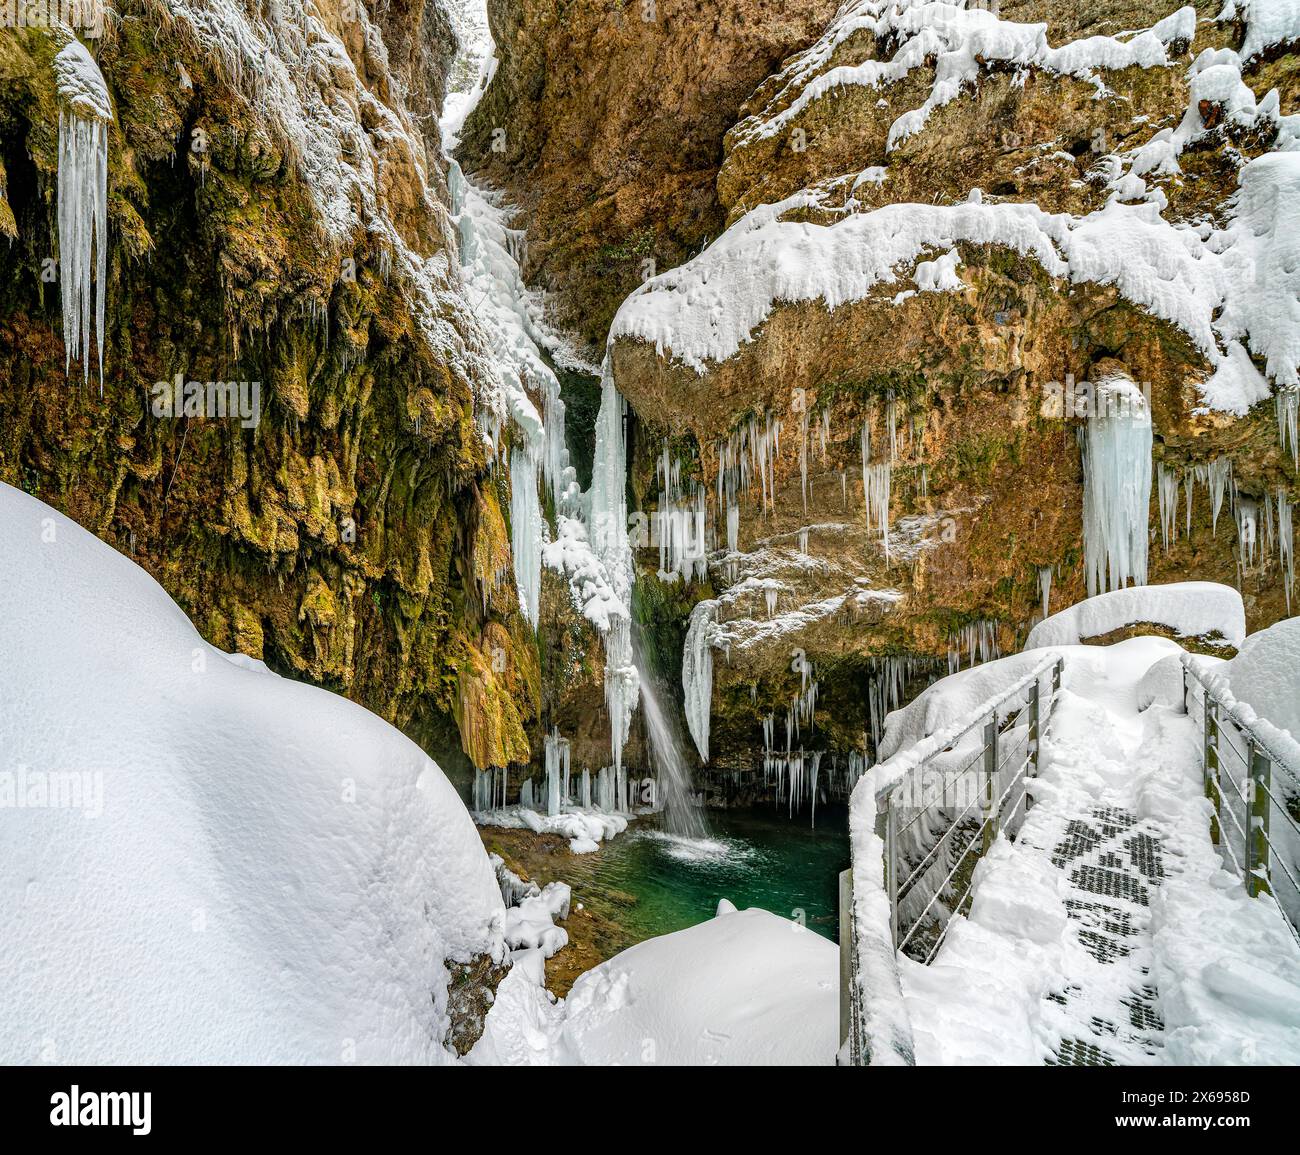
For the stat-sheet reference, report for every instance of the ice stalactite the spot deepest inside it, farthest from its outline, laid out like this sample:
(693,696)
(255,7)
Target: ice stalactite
(490,788)
(697,672)
(1116,446)
(1246,514)
(875,488)
(85,113)
(978,639)
(1288,421)
(526,530)
(679,523)
(607,518)
(560,477)
(1286,545)
(1218,474)
(556,760)
(1167,484)
(1045,587)
(771,589)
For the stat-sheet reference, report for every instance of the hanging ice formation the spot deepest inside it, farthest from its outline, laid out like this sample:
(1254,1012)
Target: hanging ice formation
(85,113)
(1288,421)
(1167,483)
(1286,545)
(979,639)
(1247,518)
(875,489)
(679,523)
(526,532)
(490,788)
(1045,587)
(697,673)
(1116,448)
(556,760)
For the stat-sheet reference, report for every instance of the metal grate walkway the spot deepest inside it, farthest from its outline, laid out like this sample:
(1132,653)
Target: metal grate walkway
(1110,1016)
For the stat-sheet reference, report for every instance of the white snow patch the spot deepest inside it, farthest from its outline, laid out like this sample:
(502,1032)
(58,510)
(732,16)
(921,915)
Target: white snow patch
(273,871)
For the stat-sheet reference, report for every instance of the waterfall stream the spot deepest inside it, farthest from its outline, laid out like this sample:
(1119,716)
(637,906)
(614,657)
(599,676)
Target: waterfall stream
(682,815)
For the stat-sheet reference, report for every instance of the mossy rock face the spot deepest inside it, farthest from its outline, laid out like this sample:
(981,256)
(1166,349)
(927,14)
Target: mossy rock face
(352,536)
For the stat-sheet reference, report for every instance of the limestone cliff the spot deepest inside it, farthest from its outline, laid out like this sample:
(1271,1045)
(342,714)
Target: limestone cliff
(906,130)
(605,124)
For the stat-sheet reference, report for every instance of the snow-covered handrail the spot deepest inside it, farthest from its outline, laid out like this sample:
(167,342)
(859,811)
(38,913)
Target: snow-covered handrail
(1230,728)
(910,849)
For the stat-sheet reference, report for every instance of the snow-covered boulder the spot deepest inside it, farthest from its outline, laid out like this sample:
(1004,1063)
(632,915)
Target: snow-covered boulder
(1265,675)
(1190,609)
(204,862)
(744,988)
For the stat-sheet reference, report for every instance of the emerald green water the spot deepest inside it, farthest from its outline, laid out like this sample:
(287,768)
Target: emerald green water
(654,884)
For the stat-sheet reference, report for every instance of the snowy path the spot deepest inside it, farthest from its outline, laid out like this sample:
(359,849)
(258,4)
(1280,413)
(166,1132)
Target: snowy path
(1107,932)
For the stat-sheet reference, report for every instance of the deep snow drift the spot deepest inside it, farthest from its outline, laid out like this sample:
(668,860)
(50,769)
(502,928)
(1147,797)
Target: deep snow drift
(205,862)
(745,988)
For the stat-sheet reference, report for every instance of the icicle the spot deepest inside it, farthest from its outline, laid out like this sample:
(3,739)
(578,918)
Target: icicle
(1167,495)
(1286,545)
(769,596)
(1116,446)
(1045,587)
(1247,517)
(697,673)
(876,480)
(1218,474)
(84,115)
(556,759)
(1288,421)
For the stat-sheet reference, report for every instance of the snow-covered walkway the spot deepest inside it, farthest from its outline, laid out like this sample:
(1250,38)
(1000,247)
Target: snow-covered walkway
(1108,932)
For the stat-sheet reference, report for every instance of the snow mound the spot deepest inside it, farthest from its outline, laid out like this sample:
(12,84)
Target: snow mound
(1191,609)
(744,988)
(1265,675)
(205,863)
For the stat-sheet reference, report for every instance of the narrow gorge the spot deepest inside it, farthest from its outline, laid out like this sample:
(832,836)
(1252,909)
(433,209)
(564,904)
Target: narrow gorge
(526,522)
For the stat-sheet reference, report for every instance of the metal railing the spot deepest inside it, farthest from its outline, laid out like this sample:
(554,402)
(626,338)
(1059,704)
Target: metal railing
(939,819)
(932,824)
(1252,779)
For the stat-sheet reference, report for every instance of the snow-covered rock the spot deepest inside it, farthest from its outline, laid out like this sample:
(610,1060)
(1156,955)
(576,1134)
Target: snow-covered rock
(1191,609)
(205,862)
(1265,675)
(745,987)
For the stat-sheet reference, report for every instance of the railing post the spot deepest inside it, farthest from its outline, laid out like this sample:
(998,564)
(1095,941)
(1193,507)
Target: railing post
(990,774)
(1212,791)
(886,830)
(847,1032)
(1257,865)
(1056,677)
(1033,740)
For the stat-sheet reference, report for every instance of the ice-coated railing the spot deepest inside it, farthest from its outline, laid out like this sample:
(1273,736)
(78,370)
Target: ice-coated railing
(1252,779)
(919,822)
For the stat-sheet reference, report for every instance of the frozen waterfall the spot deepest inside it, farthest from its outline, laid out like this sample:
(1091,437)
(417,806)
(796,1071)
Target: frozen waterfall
(697,672)
(1116,446)
(85,113)
(607,519)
